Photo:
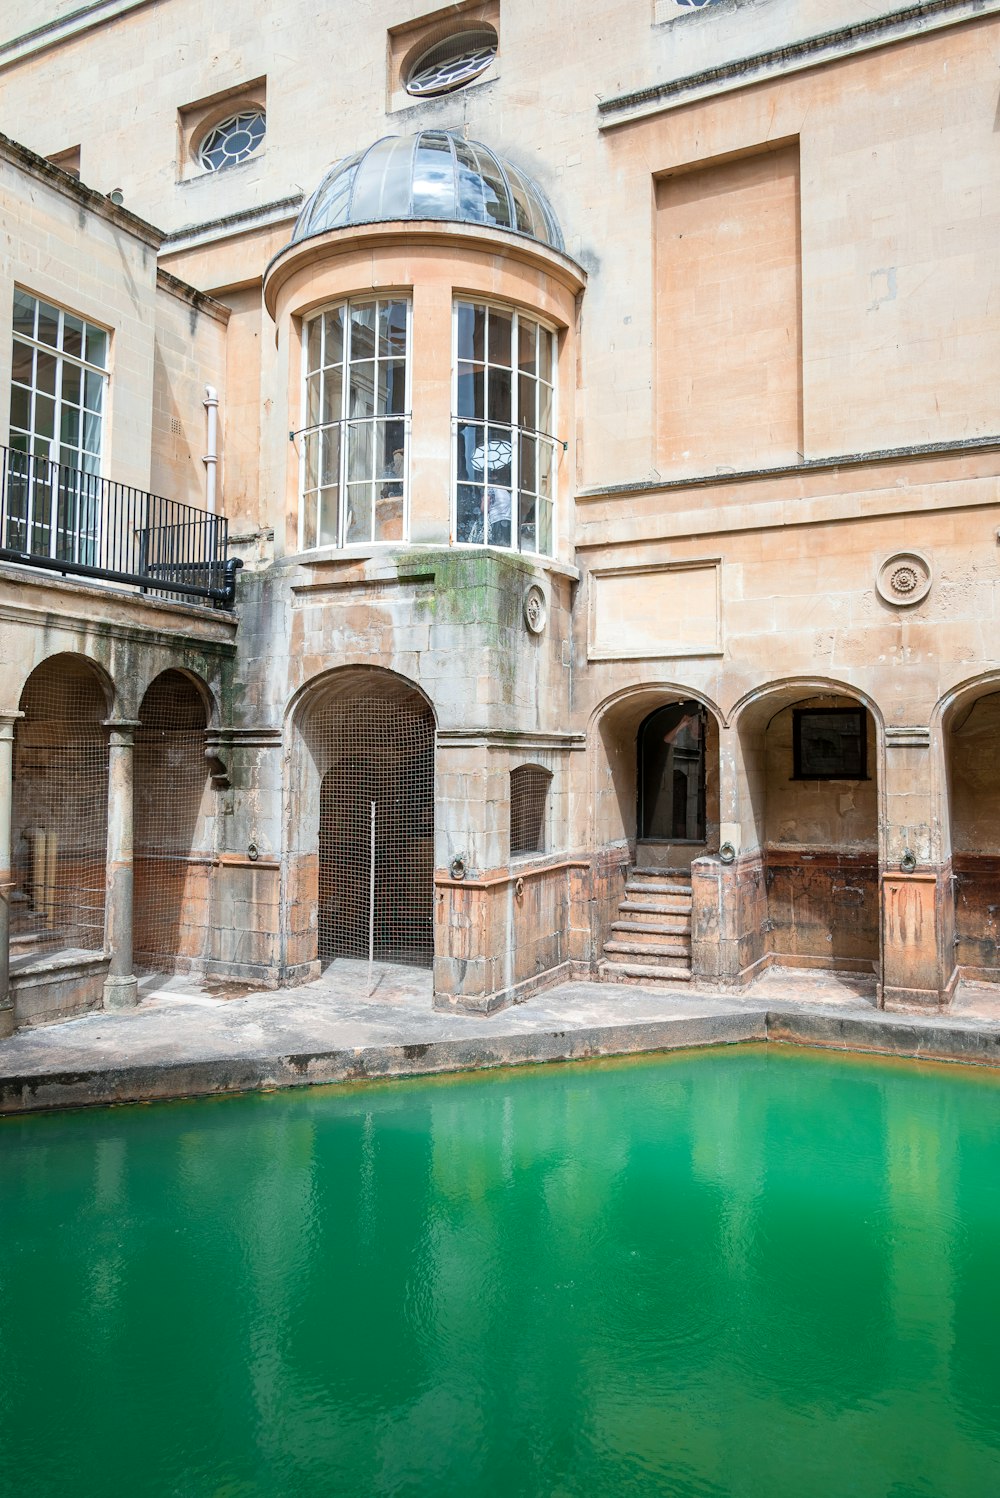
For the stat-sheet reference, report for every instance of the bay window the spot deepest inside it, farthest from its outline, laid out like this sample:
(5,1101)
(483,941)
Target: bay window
(354,450)
(503,422)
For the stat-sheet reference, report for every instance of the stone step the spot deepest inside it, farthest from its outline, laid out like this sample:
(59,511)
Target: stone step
(636,972)
(656,887)
(655,953)
(667,906)
(645,871)
(670,926)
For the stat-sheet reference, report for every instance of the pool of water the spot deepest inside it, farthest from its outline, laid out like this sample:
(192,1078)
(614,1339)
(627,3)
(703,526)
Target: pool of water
(752,1271)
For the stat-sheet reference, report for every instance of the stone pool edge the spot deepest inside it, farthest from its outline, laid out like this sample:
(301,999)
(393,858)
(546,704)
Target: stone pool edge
(212,1076)
(161,1080)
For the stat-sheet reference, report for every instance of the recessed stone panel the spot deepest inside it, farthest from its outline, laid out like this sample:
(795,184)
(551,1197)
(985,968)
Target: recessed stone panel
(655,611)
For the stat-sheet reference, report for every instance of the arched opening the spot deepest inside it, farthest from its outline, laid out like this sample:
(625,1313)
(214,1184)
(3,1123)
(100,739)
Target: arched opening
(371,740)
(60,810)
(172,826)
(529,791)
(972,744)
(810,832)
(656,769)
(671,774)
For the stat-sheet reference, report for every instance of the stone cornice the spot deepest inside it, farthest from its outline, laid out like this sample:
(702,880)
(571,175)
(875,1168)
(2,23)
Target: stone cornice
(808,52)
(36,166)
(437,233)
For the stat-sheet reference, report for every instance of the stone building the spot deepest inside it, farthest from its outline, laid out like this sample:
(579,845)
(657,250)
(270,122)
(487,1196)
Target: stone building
(600,408)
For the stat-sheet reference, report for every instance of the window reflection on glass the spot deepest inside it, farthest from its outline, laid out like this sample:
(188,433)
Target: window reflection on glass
(354,451)
(503,401)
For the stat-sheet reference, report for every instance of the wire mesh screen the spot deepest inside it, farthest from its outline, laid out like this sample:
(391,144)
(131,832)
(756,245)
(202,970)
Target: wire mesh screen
(60,809)
(171,775)
(529,788)
(375,746)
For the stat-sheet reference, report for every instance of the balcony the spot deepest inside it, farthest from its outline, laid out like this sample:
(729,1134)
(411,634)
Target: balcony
(75,523)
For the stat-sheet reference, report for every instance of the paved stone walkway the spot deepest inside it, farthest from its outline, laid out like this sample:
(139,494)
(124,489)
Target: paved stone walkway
(186,1039)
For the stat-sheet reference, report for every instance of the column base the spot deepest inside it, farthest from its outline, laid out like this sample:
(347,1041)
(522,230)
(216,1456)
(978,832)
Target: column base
(6,1020)
(121,993)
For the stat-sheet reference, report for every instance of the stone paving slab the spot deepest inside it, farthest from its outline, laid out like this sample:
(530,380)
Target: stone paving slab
(188,1041)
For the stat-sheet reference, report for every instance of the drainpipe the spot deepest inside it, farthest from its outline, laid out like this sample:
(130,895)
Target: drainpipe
(211,458)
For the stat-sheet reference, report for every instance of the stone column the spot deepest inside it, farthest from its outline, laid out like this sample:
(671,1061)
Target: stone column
(7,721)
(917,957)
(121,989)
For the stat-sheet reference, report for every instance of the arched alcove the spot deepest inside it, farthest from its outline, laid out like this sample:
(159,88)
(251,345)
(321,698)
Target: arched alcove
(810,815)
(972,754)
(362,813)
(172,827)
(60,809)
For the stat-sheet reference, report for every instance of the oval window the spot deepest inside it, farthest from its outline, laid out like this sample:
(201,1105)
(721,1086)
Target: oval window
(452,63)
(232,140)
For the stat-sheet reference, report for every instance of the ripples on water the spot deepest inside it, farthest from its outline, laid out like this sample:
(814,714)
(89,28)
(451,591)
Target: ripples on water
(756,1273)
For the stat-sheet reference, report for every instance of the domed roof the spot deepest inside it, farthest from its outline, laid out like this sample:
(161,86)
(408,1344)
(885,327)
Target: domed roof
(435,174)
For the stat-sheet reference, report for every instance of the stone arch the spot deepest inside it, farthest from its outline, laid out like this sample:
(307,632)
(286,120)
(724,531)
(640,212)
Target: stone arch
(967,723)
(60,807)
(173,823)
(362,735)
(809,795)
(614,734)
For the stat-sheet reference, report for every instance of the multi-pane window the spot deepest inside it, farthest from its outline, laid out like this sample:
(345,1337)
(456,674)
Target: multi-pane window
(355,443)
(58,393)
(58,384)
(504,447)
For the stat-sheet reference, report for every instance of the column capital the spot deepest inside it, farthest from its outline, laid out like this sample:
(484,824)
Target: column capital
(121,731)
(8,717)
(900,736)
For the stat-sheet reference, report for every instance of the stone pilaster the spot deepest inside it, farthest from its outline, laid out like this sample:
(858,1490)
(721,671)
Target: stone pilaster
(916,966)
(121,989)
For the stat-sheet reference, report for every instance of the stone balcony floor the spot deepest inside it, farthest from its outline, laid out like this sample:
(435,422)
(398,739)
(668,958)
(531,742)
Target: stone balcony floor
(191,1038)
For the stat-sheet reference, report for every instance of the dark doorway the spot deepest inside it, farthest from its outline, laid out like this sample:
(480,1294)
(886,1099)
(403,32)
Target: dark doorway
(379,746)
(671,745)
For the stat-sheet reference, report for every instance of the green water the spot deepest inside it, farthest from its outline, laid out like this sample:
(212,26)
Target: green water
(743,1272)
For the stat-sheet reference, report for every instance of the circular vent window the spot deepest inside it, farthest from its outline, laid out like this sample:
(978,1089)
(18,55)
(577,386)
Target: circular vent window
(232,140)
(452,63)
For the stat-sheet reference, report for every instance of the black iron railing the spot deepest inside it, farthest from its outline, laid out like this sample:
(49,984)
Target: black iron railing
(76,523)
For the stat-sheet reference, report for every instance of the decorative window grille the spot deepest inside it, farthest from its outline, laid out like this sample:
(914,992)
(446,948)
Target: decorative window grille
(60,809)
(453,63)
(372,739)
(505,452)
(529,790)
(171,830)
(355,444)
(58,393)
(232,140)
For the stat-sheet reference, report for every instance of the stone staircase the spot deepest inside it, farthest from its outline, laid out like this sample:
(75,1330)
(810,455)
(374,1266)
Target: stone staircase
(651,939)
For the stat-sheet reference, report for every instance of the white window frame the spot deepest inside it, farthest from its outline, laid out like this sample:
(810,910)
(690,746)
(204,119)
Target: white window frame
(515,313)
(49,528)
(345,422)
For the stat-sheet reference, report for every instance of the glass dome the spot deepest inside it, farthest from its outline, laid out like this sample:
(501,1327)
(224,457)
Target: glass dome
(434,174)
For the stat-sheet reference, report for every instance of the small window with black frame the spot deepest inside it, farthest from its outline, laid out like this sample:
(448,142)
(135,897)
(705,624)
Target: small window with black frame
(830,743)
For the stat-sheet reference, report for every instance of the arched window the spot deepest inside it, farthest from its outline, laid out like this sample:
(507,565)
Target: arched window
(529,789)
(354,444)
(505,449)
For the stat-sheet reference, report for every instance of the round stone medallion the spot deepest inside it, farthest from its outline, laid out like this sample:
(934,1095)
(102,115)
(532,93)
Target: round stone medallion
(904,578)
(536,610)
